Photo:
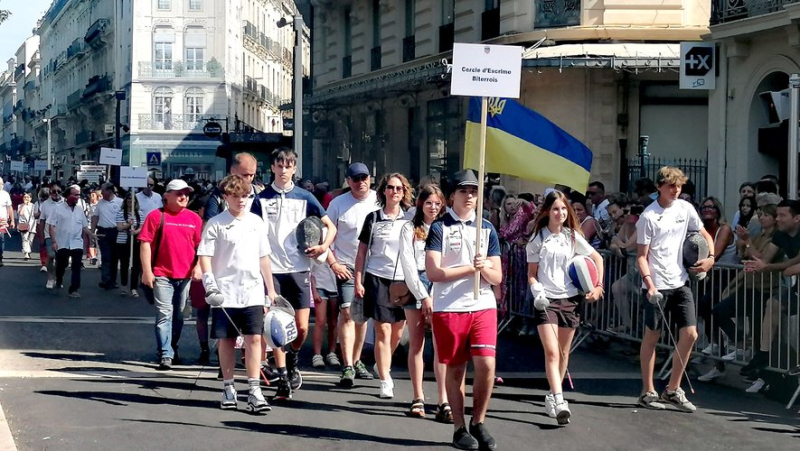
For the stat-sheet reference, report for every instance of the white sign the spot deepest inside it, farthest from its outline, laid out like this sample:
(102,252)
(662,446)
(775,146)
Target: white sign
(697,65)
(40,165)
(111,156)
(486,70)
(17,166)
(91,177)
(133,177)
(109,129)
(93,168)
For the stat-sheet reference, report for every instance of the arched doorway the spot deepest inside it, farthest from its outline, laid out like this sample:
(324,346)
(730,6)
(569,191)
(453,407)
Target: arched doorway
(767,153)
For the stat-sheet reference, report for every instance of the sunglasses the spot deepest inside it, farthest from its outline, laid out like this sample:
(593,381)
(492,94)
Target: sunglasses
(360,178)
(395,188)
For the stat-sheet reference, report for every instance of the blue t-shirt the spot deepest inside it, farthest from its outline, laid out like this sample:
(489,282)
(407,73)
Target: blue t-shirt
(283,211)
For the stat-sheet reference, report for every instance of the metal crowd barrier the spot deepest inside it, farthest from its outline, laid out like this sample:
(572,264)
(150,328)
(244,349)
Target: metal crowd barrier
(738,314)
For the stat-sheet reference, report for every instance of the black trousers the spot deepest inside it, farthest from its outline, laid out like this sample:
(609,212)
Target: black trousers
(62,260)
(108,251)
(124,254)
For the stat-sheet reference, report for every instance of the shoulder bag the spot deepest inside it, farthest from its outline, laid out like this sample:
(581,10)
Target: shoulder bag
(399,294)
(148,291)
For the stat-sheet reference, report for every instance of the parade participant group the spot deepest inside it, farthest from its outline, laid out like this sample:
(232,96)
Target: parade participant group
(398,256)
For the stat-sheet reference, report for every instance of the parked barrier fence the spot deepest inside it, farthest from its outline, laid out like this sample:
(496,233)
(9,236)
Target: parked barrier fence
(738,314)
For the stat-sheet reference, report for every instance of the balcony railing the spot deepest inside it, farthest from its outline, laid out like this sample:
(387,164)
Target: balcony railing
(74,99)
(170,122)
(19,71)
(149,69)
(723,11)
(97,84)
(409,48)
(375,58)
(95,30)
(556,13)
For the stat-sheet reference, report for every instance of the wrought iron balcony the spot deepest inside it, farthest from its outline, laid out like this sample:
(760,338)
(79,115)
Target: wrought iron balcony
(177,69)
(97,84)
(74,99)
(97,29)
(19,71)
(77,48)
(170,121)
(723,11)
(557,13)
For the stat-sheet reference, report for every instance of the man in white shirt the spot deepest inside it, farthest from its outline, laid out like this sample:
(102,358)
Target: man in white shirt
(148,199)
(104,224)
(660,234)
(597,194)
(234,257)
(45,210)
(68,225)
(6,218)
(348,212)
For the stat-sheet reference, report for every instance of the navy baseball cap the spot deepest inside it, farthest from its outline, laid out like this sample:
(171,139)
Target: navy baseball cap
(357,169)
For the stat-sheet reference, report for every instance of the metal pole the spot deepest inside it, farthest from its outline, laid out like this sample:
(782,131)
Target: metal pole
(297,70)
(794,82)
(481,175)
(49,145)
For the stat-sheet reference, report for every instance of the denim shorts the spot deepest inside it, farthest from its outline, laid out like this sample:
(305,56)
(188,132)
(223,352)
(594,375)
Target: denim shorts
(423,277)
(347,289)
(325,294)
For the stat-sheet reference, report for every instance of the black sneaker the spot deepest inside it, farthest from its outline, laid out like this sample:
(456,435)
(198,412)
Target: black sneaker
(284,392)
(361,371)
(348,377)
(481,433)
(205,357)
(270,373)
(462,440)
(295,378)
(165,365)
(759,361)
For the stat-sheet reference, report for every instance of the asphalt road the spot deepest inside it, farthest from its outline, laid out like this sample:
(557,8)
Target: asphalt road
(79,375)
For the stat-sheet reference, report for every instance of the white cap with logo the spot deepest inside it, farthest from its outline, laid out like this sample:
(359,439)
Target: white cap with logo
(178,185)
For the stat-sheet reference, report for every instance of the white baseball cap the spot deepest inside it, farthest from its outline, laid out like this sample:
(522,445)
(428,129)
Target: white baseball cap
(178,185)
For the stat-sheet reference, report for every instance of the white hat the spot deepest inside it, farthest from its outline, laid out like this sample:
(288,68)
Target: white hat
(178,185)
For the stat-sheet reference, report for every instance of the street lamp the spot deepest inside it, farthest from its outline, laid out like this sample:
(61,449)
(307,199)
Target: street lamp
(49,147)
(297,78)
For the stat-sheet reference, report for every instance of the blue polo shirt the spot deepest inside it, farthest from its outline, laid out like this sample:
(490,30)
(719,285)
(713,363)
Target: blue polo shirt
(283,210)
(454,238)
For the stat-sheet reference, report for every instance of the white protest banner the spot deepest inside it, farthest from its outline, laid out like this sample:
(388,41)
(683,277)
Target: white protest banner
(133,177)
(111,156)
(482,70)
(17,166)
(40,165)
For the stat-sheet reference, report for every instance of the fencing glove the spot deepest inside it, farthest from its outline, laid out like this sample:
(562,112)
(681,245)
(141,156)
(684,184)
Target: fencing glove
(213,296)
(540,302)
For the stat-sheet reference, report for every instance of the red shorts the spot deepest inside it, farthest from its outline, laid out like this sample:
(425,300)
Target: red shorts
(460,336)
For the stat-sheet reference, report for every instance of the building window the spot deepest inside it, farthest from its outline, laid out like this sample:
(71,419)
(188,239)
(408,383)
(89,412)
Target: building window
(162,109)
(165,4)
(194,106)
(163,56)
(195,5)
(194,59)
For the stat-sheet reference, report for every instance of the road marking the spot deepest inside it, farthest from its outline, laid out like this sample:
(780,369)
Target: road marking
(6,439)
(84,319)
(208,373)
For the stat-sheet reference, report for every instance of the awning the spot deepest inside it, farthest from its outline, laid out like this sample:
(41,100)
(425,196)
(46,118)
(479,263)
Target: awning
(631,56)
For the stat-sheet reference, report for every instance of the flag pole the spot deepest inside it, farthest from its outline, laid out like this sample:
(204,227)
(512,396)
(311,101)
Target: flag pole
(479,210)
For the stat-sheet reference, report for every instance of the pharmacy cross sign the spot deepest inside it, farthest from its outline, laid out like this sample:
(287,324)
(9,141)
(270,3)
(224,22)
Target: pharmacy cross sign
(698,61)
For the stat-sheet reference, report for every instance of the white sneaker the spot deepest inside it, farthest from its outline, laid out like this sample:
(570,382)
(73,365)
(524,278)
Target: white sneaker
(711,375)
(550,405)
(43,269)
(317,361)
(378,375)
(733,355)
(256,401)
(757,386)
(50,284)
(562,412)
(387,390)
(712,349)
(228,401)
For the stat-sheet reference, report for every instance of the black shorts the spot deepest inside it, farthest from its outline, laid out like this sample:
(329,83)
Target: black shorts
(561,312)
(295,287)
(376,301)
(678,305)
(249,320)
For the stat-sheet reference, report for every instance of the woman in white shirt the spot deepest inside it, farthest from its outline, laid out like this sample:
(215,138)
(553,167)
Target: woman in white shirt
(374,273)
(430,206)
(129,225)
(26,224)
(557,238)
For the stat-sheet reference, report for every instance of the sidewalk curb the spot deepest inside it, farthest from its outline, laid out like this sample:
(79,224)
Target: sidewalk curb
(6,439)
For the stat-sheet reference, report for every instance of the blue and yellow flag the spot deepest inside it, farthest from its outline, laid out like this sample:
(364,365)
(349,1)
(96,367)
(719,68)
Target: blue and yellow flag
(523,143)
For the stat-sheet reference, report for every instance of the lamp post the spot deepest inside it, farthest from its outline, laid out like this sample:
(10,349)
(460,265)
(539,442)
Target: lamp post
(114,176)
(297,87)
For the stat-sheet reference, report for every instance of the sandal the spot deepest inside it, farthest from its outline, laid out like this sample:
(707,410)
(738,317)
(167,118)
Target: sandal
(444,414)
(417,409)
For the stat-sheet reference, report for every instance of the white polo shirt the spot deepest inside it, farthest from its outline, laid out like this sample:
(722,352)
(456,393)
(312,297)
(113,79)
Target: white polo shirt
(69,223)
(5,204)
(664,230)
(236,246)
(106,212)
(348,213)
(454,239)
(45,210)
(553,252)
(384,233)
(148,203)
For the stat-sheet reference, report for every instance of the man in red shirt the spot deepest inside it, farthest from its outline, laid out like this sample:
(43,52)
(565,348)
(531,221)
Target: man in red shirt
(169,240)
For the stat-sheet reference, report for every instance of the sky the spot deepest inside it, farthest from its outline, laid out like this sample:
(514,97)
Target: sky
(14,31)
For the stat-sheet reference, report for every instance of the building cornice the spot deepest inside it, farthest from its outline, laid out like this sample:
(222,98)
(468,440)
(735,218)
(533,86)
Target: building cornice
(629,33)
